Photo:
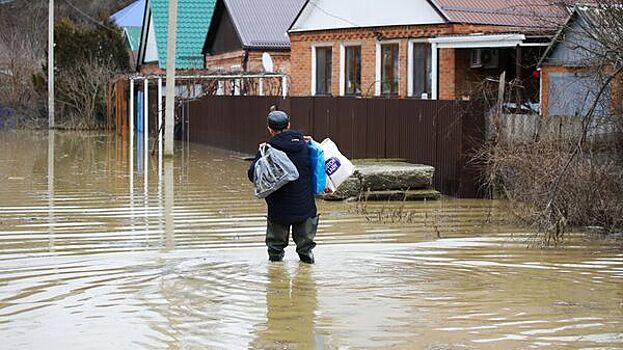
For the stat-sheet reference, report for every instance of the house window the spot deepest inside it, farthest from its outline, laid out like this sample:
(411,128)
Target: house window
(572,94)
(323,70)
(390,72)
(422,70)
(352,83)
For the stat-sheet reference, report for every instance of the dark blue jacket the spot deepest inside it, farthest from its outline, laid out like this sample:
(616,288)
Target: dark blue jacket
(294,202)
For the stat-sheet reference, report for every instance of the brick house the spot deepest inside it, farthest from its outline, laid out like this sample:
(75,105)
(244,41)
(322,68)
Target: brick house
(572,69)
(430,49)
(242,30)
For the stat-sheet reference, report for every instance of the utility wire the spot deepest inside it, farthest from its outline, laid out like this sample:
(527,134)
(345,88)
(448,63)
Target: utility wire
(333,15)
(87,16)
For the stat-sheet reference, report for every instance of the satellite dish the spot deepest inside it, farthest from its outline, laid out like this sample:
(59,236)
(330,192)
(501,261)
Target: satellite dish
(267,62)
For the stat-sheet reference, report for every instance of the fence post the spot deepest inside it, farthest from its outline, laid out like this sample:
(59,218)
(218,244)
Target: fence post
(284,85)
(131,121)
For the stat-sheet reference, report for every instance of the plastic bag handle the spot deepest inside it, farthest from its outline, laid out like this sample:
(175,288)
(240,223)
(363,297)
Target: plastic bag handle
(262,149)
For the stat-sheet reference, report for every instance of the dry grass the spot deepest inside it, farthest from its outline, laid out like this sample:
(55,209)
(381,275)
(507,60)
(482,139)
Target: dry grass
(555,184)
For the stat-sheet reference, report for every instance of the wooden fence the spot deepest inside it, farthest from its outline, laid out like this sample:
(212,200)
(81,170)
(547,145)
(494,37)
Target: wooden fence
(443,134)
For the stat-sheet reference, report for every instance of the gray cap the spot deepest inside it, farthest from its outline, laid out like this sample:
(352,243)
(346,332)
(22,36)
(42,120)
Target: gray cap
(278,120)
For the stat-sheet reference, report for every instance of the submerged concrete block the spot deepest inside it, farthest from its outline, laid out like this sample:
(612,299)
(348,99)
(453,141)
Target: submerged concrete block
(349,188)
(394,176)
(397,195)
(387,181)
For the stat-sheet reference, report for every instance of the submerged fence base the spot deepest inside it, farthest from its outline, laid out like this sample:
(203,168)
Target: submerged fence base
(443,134)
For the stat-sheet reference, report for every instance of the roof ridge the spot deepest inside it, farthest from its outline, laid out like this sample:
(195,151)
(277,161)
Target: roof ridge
(510,11)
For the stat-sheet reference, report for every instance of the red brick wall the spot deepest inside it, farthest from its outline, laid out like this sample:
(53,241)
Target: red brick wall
(447,74)
(224,62)
(151,68)
(301,44)
(281,61)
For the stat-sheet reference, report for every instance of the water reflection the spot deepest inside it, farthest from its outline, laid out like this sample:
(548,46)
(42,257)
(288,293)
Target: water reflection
(169,228)
(51,157)
(291,303)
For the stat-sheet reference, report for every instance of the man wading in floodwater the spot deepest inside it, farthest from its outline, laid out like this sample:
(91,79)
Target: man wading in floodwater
(292,205)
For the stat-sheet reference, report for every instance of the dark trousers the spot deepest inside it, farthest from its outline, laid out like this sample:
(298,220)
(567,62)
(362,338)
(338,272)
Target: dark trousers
(303,234)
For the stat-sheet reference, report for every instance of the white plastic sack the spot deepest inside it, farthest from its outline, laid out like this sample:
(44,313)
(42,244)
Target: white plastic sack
(272,170)
(337,167)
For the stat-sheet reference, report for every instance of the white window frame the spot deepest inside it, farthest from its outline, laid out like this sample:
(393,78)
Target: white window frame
(313,65)
(467,42)
(343,46)
(377,80)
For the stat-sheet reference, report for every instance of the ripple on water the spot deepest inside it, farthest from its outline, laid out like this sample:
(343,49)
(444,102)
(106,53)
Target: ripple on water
(110,266)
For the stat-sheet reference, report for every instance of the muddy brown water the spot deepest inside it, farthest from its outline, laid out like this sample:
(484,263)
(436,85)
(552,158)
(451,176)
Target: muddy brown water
(91,258)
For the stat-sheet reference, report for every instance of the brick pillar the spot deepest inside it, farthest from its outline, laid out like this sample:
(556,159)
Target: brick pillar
(335,69)
(447,74)
(403,61)
(368,66)
(300,67)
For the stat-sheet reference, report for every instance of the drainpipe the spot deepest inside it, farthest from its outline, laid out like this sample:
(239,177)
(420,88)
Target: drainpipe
(245,61)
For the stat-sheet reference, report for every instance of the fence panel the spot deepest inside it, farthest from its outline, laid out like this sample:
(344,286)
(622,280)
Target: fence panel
(439,133)
(301,114)
(376,128)
(448,148)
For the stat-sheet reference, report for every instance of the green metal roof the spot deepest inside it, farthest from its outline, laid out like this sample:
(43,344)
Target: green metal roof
(133,37)
(193,21)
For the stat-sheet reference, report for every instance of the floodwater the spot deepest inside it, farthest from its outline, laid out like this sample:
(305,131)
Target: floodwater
(95,254)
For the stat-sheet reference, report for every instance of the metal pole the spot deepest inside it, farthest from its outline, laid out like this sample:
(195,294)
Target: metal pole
(145,136)
(160,116)
(51,64)
(160,134)
(131,117)
(146,115)
(131,161)
(171,42)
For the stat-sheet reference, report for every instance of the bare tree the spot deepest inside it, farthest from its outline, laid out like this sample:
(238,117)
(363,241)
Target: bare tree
(23,45)
(19,66)
(573,179)
(82,98)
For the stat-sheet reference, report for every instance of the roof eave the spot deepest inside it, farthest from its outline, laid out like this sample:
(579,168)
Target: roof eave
(265,48)
(558,34)
(298,15)
(144,29)
(439,10)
